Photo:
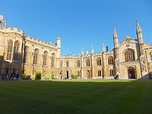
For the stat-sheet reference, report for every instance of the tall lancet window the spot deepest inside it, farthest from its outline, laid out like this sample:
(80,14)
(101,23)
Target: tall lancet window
(67,63)
(16,49)
(87,62)
(98,61)
(52,59)
(9,50)
(110,60)
(35,57)
(26,54)
(129,55)
(78,63)
(45,58)
(99,72)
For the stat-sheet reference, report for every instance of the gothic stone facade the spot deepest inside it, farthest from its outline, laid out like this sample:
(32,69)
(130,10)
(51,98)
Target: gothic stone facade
(131,58)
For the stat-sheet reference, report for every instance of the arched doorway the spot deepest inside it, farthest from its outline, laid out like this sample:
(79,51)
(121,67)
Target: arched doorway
(88,74)
(131,73)
(67,74)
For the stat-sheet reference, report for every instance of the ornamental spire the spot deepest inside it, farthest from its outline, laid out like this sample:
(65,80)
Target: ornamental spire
(82,52)
(138,29)
(92,50)
(103,47)
(115,35)
(139,33)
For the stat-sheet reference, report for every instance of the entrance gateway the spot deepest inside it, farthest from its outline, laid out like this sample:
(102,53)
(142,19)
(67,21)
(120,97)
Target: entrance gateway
(88,74)
(131,73)
(67,74)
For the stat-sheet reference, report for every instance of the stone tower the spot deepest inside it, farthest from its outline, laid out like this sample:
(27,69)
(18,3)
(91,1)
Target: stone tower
(140,38)
(116,44)
(142,54)
(58,47)
(2,42)
(116,51)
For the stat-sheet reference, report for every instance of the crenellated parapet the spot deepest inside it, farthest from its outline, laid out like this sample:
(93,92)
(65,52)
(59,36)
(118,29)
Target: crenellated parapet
(41,42)
(98,53)
(12,30)
(109,53)
(70,56)
(86,55)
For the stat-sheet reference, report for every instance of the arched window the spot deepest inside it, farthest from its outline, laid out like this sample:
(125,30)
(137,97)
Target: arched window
(16,49)
(99,72)
(129,55)
(87,62)
(61,63)
(9,50)
(150,56)
(26,54)
(52,59)
(35,57)
(110,60)
(45,58)
(111,72)
(99,61)
(78,63)
(67,63)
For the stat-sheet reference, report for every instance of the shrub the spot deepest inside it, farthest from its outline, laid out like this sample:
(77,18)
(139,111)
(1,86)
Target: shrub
(47,76)
(74,76)
(37,75)
(26,77)
(23,76)
(52,76)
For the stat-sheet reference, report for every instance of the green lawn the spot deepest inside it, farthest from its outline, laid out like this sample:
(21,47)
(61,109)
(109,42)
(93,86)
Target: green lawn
(76,97)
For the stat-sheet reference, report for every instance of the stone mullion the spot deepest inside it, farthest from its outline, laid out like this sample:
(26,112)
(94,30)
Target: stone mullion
(48,64)
(22,56)
(82,67)
(41,62)
(32,56)
(104,65)
(92,65)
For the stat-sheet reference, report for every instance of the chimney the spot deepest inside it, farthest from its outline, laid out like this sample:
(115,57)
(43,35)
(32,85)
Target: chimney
(107,49)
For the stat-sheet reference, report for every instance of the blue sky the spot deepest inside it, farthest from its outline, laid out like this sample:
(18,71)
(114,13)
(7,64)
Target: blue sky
(79,23)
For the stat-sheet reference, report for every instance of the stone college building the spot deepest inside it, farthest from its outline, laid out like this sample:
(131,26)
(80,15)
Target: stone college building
(22,54)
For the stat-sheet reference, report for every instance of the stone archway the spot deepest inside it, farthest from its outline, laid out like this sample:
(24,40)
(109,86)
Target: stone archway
(88,74)
(132,73)
(67,73)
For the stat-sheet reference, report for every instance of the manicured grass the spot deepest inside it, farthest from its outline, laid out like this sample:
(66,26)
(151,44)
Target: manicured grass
(76,97)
